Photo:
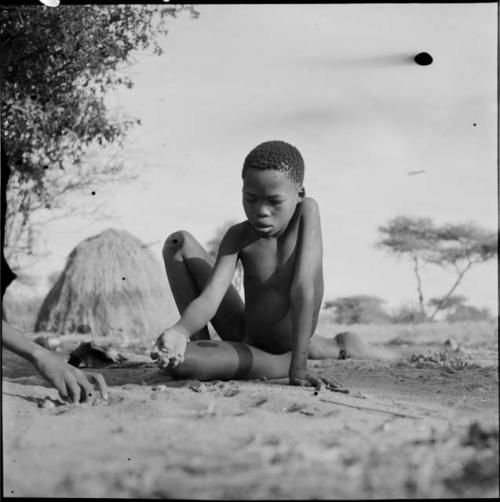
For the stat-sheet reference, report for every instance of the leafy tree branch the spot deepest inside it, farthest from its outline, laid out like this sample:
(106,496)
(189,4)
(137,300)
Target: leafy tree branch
(57,66)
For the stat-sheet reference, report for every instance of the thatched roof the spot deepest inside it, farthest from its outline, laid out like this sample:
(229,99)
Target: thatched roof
(111,285)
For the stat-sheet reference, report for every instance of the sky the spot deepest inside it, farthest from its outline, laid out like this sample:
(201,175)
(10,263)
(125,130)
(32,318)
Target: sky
(339,83)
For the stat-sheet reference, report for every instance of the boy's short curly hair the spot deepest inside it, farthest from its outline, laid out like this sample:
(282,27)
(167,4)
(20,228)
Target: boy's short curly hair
(277,155)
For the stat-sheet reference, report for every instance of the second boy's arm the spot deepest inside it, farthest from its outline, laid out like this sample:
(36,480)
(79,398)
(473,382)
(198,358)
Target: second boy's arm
(72,383)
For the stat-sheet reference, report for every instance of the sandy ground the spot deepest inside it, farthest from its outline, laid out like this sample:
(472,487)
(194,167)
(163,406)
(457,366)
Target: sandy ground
(418,427)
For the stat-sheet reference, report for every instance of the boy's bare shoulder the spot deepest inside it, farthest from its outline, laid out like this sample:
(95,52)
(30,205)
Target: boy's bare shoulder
(238,229)
(309,206)
(238,234)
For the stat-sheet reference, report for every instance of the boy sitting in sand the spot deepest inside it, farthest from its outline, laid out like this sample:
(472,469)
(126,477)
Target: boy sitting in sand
(271,334)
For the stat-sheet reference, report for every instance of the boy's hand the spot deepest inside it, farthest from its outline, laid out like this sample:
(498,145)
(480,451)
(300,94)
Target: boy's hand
(169,349)
(306,378)
(73,384)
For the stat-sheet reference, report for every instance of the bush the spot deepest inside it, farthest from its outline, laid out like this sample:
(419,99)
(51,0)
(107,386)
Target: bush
(408,314)
(468,313)
(359,309)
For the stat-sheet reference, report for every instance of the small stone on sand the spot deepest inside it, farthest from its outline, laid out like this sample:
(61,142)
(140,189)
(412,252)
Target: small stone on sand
(197,387)
(231,391)
(46,403)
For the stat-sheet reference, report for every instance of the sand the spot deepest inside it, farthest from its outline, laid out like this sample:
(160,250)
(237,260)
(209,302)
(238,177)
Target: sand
(412,428)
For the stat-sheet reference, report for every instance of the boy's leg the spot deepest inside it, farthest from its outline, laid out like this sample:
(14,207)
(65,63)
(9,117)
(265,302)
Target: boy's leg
(218,360)
(189,268)
(347,344)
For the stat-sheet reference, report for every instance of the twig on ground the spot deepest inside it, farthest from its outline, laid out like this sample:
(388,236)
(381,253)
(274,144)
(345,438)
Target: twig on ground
(394,413)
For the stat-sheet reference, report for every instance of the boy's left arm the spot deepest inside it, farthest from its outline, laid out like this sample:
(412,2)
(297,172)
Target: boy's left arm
(307,285)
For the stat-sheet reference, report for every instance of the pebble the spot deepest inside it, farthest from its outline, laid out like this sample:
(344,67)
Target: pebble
(198,387)
(160,388)
(46,403)
(230,392)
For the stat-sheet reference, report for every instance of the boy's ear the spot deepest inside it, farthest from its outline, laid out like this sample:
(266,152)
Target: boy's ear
(302,193)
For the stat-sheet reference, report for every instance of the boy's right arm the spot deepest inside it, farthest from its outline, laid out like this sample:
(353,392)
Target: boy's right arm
(170,346)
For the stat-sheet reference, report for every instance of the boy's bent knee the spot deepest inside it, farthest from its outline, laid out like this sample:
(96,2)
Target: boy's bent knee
(174,242)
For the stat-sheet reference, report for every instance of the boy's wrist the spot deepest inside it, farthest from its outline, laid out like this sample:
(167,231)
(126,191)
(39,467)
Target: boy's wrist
(182,330)
(299,359)
(35,353)
(295,370)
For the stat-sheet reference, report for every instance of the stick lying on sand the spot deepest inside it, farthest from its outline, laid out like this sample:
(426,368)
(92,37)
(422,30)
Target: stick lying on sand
(367,408)
(333,389)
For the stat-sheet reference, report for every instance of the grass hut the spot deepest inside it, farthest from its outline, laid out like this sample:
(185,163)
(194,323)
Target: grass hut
(112,285)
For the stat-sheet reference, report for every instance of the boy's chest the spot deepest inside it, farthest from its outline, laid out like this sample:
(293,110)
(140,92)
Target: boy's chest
(269,262)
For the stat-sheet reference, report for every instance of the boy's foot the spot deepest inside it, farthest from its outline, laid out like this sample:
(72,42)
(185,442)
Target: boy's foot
(351,345)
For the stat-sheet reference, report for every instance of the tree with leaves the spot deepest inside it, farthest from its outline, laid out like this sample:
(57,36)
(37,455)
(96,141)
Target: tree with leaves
(57,64)
(454,246)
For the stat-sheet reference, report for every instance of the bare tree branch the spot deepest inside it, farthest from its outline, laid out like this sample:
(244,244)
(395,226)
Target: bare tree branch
(444,299)
(419,285)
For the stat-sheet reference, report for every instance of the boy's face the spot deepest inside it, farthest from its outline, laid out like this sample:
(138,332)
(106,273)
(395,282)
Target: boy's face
(269,200)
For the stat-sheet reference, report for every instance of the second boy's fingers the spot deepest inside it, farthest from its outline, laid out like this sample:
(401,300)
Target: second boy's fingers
(73,389)
(86,389)
(101,384)
(60,385)
(88,382)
